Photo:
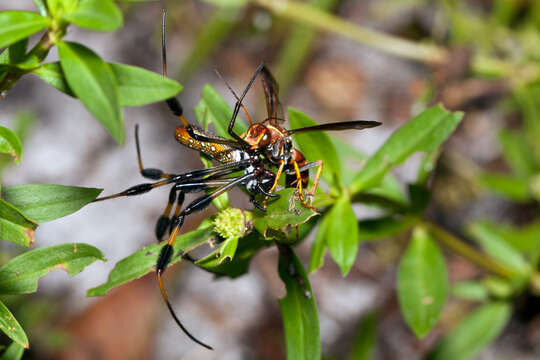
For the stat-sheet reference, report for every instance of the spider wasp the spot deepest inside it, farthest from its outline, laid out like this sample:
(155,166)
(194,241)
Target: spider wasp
(265,144)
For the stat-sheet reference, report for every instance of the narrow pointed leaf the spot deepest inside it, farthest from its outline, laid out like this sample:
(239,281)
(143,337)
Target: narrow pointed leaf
(53,75)
(298,309)
(474,333)
(44,202)
(10,326)
(10,144)
(315,146)
(224,253)
(143,261)
(342,234)
(94,83)
(509,186)
(13,352)
(16,25)
(423,133)
(498,248)
(422,283)
(318,249)
(137,86)
(516,152)
(100,15)
(20,275)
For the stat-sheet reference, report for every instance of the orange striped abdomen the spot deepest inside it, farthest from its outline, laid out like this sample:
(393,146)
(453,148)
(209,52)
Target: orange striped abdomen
(220,152)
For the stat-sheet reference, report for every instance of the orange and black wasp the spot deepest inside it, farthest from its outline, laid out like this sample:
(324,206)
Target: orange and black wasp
(265,144)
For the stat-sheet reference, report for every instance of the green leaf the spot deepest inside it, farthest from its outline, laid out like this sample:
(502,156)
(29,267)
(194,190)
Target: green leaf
(59,7)
(298,309)
(13,352)
(474,333)
(216,110)
(137,86)
(351,161)
(342,233)
(16,25)
(364,341)
(470,290)
(423,133)
(422,284)
(278,216)
(11,327)
(53,75)
(44,202)
(385,226)
(247,247)
(143,261)
(508,186)
(316,145)
(20,275)
(10,144)
(498,248)
(100,15)
(93,81)
(17,51)
(218,256)
(516,152)
(14,226)
(318,249)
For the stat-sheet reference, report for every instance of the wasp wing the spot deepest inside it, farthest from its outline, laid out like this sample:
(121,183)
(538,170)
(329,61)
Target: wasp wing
(271,93)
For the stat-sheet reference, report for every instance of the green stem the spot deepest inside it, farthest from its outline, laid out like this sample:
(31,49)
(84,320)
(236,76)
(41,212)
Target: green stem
(317,18)
(40,51)
(468,252)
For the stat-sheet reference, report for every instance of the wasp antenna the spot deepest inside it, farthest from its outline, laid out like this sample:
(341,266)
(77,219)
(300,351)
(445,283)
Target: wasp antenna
(163,47)
(173,314)
(226,83)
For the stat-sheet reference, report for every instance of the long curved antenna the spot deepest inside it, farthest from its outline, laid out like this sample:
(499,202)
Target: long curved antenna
(234,94)
(163,49)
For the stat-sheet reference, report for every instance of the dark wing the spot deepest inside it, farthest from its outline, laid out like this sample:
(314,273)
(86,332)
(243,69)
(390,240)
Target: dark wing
(271,93)
(345,125)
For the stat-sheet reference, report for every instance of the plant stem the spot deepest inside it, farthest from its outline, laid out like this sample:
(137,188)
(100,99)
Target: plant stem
(317,18)
(468,252)
(40,51)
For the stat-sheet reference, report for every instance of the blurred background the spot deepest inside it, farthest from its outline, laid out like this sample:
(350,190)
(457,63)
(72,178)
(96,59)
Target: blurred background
(485,63)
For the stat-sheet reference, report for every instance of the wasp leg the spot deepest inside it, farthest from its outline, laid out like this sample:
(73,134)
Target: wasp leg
(166,253)
(238,105)
(149,173)
(299,187)
(136,190)
(311,193)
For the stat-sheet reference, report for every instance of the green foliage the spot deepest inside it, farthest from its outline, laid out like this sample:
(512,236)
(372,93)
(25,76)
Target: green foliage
(100,15)
(10,326)
(342,234)
(298,309)
(10,144)
(13,352)
(475,332)
(364,341)
(93,81)
(16,25)
(42,202)
(103,88)
(422,283)
(423,133)
(143,261)
(20,275)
